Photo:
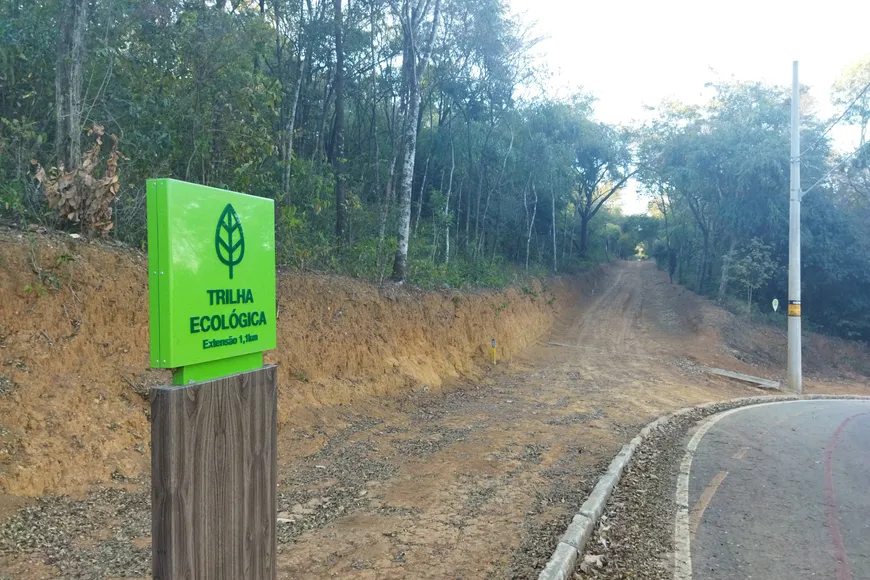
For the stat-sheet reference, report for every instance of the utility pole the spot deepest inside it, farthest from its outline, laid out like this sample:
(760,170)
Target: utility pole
(795,381)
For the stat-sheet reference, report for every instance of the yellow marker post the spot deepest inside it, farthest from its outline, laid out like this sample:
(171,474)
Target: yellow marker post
(493,351)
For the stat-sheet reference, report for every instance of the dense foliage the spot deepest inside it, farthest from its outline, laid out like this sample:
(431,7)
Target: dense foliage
(371,123)
(393,139)
(718,177)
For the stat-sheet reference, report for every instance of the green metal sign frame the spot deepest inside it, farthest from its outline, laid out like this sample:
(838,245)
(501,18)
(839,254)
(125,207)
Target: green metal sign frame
(211,280)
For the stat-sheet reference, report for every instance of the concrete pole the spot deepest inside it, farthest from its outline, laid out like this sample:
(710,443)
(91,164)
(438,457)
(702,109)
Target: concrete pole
(795,380)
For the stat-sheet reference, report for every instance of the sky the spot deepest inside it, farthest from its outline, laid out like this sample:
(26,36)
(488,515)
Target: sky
(633,53)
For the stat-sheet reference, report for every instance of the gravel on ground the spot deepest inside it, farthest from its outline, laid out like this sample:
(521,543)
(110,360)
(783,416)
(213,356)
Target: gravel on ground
(635,536)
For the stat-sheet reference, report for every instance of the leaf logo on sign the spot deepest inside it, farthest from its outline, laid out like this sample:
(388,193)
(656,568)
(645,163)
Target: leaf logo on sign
(229,240)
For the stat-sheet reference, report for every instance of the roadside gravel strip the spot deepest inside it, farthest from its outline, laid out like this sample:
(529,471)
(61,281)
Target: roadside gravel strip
(622,544)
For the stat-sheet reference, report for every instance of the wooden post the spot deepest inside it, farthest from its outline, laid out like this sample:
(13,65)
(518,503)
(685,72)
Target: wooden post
(213,471)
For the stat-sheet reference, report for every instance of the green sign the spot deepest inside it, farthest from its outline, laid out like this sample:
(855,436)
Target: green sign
(211,279)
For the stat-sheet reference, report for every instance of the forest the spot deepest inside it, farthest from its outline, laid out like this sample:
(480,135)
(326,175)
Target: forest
(416,141)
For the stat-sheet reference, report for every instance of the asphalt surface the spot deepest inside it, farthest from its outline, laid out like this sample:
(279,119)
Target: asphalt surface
(782,491)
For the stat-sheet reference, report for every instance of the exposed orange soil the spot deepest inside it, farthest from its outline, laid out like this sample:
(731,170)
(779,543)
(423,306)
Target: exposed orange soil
(74,353)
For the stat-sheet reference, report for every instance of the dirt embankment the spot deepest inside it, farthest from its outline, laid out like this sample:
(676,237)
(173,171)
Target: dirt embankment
(340,339)
(74,374)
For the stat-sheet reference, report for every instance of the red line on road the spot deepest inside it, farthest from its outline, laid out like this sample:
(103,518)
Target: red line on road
(844,572)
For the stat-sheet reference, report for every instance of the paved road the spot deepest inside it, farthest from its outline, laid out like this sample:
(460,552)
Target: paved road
(782,491)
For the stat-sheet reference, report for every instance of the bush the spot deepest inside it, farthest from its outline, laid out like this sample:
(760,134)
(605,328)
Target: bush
(84,195)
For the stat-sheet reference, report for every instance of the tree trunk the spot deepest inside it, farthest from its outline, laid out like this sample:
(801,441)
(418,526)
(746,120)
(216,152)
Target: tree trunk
(320,149)
(338,129)
(565,227)
(374,93)
(553,208)
(477,205)
(531,224)
(488,195)
(422,189)
(699,284)
(400,265)
(497,232)
(68,82)
(412,70)
(671,252)
(436,231)
(468,197)
(681,257)
(385,212)
(726,267)
(458,210)
(573,231)
(584,233)
(447,205)
(382,218)
(288,130)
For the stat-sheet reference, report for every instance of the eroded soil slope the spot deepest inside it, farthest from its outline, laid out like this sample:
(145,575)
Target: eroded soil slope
(74,374)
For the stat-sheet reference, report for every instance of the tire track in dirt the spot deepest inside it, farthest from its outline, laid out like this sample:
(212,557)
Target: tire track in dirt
(617,304)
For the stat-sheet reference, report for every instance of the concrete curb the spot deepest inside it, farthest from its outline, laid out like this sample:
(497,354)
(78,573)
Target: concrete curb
(573,542)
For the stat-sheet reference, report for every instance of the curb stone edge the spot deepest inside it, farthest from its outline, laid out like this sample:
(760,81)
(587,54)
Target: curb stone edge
(572,543)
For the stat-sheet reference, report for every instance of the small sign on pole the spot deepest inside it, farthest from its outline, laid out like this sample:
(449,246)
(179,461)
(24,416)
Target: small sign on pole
(775,304)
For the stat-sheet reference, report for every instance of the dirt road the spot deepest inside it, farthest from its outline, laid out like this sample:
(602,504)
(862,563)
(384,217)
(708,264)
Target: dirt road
(479,483)
(475,482)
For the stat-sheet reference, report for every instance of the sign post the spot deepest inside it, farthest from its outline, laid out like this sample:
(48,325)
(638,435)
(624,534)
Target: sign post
(211,287)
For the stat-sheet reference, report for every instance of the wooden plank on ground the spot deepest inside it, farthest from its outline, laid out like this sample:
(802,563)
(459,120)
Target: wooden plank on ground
(757,381)
(213,469)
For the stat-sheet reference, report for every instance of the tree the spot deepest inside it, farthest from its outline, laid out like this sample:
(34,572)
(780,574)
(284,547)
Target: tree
(851,93)
(719,172)
(611,238)
(724,166)
(755,268)
(291,84)
(602,164)
(68,84)
(416,51)
(337,152)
